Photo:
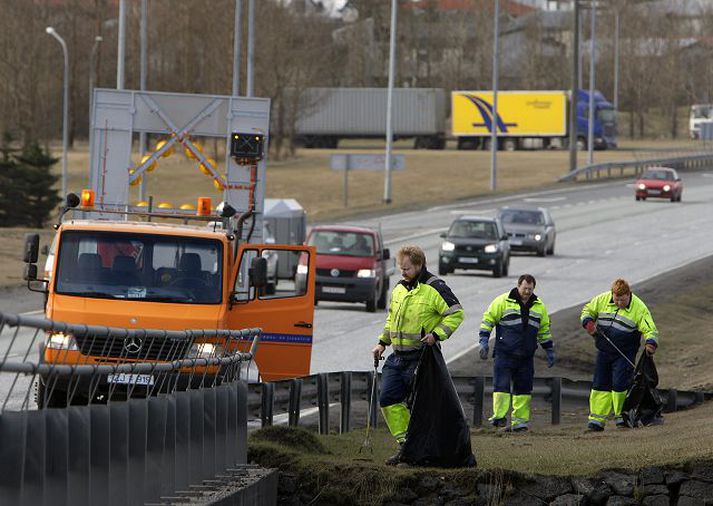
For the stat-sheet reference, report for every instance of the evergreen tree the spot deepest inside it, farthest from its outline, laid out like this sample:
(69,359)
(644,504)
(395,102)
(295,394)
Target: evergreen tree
(38,183)
(10,184)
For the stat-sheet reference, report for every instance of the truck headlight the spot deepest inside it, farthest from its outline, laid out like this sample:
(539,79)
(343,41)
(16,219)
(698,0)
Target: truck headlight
(205,350)
(302,269)
(642,186)
(491,248)
(448,246)
(366,273)
(666,187)
(62,341)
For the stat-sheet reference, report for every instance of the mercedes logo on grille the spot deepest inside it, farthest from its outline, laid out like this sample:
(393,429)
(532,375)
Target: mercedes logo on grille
(133,344)
(334,273)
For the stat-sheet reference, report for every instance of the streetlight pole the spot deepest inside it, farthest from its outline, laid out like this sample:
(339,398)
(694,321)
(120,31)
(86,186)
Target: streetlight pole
(592,60)
(251,49)
(143,37)
(616,58)
(494,122)
(92,83)
(65,108)
(237,36)
(121,40)
(390,104)
(574,98)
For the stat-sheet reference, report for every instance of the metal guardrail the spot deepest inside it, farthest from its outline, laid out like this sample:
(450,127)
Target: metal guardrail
(289,398)
(634,168)
(183,423)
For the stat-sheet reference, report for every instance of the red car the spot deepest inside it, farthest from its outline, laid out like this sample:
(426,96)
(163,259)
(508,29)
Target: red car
(659,182)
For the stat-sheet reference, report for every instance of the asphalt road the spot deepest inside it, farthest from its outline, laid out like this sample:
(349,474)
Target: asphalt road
(602,234)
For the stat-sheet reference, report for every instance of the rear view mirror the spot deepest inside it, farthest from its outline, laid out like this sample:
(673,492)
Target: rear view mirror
(32,248)
(386,254)
(258,272)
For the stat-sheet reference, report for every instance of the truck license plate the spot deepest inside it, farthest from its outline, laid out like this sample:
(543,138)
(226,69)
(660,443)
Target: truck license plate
(334,289)
(130,379)
(468,260)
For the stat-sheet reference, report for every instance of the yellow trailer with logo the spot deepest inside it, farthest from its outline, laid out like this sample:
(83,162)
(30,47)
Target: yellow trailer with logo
(525,119)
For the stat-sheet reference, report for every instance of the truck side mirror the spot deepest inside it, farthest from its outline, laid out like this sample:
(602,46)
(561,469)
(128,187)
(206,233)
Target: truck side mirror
(258,272)
(385,254)
(30,273)
(32,248)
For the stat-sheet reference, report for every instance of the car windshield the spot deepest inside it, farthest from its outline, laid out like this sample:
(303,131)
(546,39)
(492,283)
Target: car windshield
(143,267)
(702,112)
(522,217)
(606,115)
(353,244)
(466,229)
(663,175)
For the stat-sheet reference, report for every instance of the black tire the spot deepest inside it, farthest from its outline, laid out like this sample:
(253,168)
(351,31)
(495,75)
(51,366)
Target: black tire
(551,251)
(381,303)
(442,270)
(541,252)
(371,304)
(509,144)
(638,198)
(506,267)
(498,270)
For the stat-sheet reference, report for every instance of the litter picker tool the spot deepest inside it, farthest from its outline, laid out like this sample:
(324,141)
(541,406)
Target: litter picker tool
(366,445)
(602,334)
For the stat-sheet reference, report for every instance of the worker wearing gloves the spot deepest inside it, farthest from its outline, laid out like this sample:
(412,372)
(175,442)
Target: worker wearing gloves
(521,323)
(616,319)
(422,311)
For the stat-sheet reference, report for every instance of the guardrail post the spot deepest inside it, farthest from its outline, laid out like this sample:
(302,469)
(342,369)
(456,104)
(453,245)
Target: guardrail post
(345,398)
(323,402)
(295,402)
(268,397)
(478,400)
(672,401)
(699,397)
(556,398)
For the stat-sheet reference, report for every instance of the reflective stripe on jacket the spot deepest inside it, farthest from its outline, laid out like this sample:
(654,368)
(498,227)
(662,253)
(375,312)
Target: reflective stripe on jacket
(514,336)
(623,326)
(428,305)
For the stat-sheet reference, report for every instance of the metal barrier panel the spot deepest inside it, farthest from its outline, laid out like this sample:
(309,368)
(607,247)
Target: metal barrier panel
(79,475)
(100,453)
(169,472)
(57,456)
(14,456)
(119,453)
(182,455)
(209,432)
(157,428)
(222,404)
(137,436)
(241,428)
(195,464)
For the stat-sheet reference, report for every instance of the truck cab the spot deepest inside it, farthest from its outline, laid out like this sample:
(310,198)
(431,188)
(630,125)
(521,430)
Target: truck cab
(169,276)
(605,129)
(352,265)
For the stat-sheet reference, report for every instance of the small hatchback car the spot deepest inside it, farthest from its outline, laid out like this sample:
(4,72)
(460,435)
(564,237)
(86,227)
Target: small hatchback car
(659,182)
(474,242)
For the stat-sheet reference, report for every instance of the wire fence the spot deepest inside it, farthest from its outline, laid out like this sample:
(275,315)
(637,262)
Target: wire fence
(126,416)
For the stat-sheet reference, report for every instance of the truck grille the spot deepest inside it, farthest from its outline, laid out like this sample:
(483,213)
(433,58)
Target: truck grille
(342,273)
(149,348)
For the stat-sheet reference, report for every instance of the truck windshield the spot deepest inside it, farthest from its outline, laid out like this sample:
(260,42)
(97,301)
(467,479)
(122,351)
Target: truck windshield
(143,267)
(606,115)
(343,243)
(702,112)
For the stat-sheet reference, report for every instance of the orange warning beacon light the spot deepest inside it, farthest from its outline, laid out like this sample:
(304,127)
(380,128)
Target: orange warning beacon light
(87,198)
(204,206)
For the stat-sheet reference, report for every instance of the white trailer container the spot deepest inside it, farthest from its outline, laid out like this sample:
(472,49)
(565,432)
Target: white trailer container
(331,114)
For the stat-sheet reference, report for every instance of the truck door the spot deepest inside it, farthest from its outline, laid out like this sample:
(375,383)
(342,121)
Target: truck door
(283,308)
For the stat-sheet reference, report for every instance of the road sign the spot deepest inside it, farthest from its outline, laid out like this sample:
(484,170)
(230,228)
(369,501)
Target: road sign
(375,162)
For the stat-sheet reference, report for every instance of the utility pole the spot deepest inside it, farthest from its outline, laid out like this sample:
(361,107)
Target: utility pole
(390,104)
(251,47)
(575,90)
(494,122)
(592,69)
(237,39)
(143,36)
(122,45)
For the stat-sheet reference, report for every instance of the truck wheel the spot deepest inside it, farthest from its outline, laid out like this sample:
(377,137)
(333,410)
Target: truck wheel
(467,143)
(509,144)
(381,303)
(581,144)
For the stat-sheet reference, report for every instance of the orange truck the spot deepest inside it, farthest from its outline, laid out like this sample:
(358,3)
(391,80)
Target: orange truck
(197,267)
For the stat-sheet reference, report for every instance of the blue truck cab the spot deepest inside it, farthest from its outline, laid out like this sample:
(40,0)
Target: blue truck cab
(605,135)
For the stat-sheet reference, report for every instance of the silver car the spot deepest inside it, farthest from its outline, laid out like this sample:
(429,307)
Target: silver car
(529,229)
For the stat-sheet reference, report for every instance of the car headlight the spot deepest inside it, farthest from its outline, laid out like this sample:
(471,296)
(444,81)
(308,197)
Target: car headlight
(366,273)
(537,237)
(666,187)
(491,248)
(448,246)
(642,186)
(302,269)
(62,341)
(205,350)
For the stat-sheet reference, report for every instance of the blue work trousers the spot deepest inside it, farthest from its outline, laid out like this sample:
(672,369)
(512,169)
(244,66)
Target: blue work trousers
(513,369)
(397,378)
(613,372)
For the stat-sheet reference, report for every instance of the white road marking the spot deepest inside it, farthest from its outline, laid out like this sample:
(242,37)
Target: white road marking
(544,199)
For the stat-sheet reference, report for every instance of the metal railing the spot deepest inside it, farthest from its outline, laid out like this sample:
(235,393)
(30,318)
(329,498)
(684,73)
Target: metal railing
(291,399)
(182,416)
(634,168)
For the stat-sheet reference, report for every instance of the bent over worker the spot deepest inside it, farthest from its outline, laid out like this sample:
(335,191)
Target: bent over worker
(422,311)
(616,319)
(521,323)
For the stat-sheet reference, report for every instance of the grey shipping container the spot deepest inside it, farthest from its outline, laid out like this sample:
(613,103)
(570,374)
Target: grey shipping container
(331,114)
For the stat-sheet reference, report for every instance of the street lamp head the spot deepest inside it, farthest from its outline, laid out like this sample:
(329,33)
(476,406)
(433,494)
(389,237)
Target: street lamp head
(50,30)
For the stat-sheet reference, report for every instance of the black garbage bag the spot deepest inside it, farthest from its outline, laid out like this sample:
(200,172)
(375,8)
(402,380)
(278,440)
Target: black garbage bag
(438,433)
(643,403)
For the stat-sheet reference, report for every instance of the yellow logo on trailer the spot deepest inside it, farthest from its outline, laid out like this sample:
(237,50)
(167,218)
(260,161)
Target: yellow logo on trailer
(520,113)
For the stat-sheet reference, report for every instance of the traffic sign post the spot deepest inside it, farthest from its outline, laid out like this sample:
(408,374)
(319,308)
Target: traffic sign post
(348,162)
